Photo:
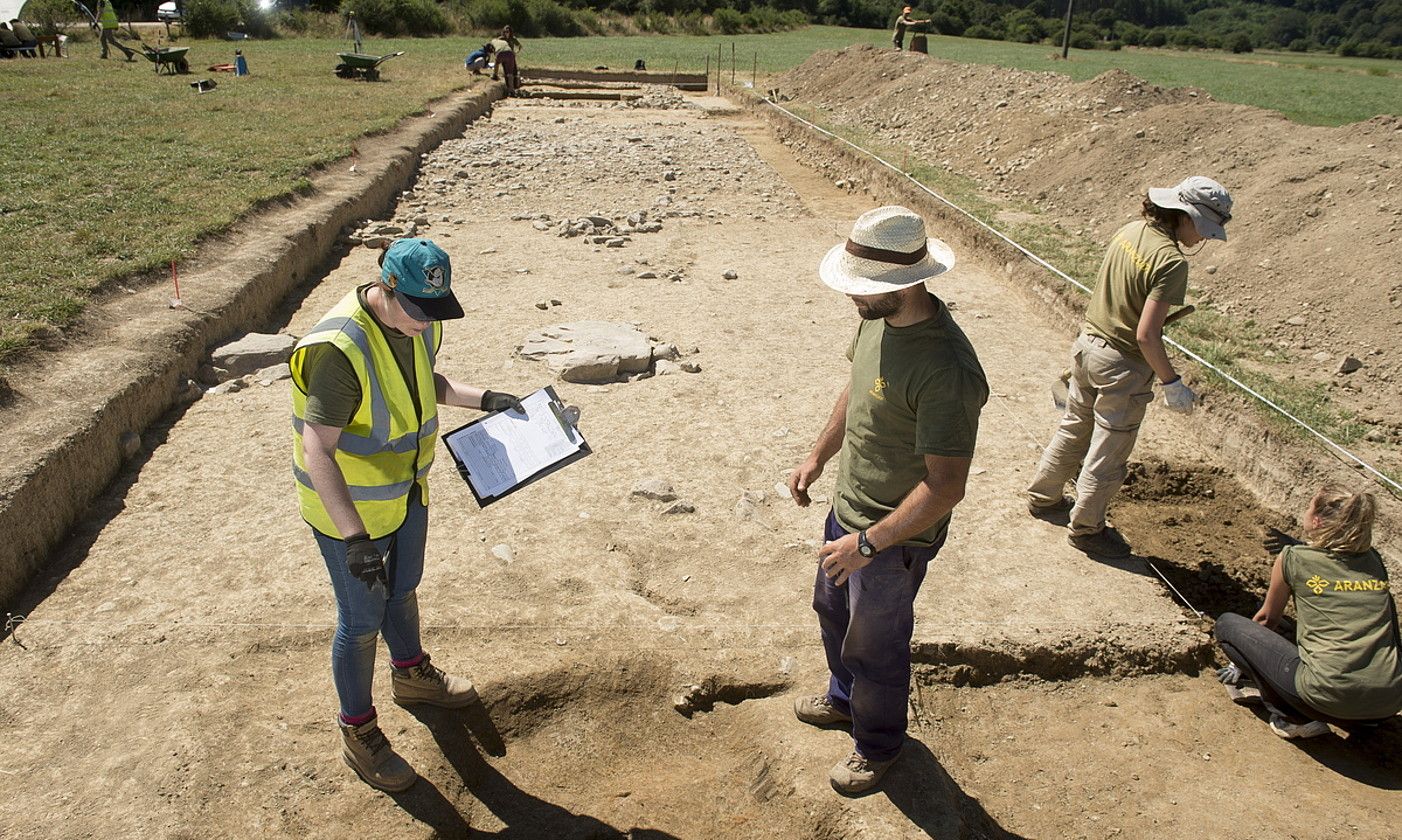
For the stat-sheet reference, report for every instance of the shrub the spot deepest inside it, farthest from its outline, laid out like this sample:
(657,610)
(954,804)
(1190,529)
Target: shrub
(1156,38)
(254,21)
(1115,45)
(1240,43)
(398,17)
(727,21)
(210,18)
(1299,45)
(693,23)
(1187,38)
(987,33)
(550,18)
(51,16)
(1083,40)
(1131,34)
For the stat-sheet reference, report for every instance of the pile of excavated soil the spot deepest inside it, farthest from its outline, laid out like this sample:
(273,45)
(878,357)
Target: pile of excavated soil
(1317,234)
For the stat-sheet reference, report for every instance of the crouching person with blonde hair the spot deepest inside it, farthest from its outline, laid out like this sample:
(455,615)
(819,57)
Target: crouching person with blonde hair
(1345,666)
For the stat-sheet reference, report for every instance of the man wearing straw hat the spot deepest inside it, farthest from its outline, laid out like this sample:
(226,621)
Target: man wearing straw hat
(905,425)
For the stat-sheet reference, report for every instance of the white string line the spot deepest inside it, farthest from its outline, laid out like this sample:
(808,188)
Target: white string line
(1375,473)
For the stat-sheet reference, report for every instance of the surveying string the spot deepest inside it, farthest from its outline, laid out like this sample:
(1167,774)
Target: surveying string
(1336,449)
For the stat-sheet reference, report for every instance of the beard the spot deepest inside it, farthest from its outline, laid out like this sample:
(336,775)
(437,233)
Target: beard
(879,306)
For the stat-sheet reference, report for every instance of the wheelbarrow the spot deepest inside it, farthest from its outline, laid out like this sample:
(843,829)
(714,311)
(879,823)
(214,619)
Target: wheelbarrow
(362,66)
(170,59)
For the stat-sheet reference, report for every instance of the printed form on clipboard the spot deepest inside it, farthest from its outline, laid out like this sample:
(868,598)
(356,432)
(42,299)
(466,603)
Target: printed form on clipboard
(502,452)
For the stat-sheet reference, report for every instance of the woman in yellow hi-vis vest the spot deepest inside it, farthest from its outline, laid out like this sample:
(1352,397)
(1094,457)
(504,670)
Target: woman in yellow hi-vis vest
(365,422)
(107,17)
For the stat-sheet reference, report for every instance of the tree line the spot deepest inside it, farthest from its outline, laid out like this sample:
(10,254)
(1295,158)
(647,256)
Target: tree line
(1370,28)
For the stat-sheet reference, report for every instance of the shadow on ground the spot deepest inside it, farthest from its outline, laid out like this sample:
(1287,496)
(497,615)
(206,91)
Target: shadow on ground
(463,736)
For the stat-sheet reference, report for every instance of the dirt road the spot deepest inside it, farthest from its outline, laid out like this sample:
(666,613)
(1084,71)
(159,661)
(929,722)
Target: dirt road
(173,682)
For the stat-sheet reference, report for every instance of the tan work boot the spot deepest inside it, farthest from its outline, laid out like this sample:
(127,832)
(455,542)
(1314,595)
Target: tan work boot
(858,774)
(366,749)
(1106,543)
(818,710)
(424,683)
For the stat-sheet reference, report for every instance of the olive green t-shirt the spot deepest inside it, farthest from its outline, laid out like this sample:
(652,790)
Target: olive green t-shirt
(333,389)
(915,391)
(1142,264)
(1350,664)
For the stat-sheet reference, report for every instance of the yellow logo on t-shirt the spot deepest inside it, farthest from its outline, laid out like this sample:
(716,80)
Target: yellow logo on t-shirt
(1318,584)
(878,388)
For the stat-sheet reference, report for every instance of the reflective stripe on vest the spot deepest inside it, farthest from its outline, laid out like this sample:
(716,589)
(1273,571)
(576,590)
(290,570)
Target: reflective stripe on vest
(387,446)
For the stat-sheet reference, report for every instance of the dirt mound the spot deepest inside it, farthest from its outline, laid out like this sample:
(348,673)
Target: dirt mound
(1312,263)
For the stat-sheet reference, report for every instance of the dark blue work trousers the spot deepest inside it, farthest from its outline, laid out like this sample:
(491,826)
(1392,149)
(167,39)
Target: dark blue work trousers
(866,625)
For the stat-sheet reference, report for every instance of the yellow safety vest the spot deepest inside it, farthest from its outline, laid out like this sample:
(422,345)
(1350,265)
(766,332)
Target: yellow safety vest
(108,16)
(388,445)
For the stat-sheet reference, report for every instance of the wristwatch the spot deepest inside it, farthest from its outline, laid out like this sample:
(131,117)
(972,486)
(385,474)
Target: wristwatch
(864,546)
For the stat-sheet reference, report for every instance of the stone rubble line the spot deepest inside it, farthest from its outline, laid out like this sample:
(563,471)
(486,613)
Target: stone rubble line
(1392,487)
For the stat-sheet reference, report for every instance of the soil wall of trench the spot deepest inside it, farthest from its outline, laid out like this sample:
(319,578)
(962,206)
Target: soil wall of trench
(1278,464)
(65,414)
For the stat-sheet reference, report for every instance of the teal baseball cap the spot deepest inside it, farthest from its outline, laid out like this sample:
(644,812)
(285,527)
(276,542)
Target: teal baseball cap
(421,276)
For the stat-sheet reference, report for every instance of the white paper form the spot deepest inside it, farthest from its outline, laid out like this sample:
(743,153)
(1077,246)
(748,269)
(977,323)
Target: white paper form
(505,449)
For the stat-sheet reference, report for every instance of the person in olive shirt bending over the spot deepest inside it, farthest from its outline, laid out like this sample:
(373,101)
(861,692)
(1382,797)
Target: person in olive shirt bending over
(365,421)
(1345,666)
(905,426)
(1120,350)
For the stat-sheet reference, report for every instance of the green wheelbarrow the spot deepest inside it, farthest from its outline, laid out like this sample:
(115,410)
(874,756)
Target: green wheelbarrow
(170,59)
(362,66)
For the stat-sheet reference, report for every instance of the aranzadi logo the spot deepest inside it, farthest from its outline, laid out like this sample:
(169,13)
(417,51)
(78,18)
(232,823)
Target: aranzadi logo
(433,277)
(1319,585)
(878,388)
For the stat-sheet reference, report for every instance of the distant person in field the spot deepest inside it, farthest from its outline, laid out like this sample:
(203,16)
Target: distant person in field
(902,23)
(107,19)
(476,61)
(1119,352)
(506,46)
(365,426)
(1345,665)
(905,425)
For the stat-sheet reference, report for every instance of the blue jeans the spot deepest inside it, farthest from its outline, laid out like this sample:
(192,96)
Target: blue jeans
(866,625)
(362,613)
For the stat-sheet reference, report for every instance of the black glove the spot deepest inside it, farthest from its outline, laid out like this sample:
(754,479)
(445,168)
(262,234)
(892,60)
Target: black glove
(1274,540)
(365,561)
(498,401)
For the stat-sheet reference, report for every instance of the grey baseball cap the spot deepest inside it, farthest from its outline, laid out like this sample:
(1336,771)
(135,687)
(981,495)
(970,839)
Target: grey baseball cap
(1205,201)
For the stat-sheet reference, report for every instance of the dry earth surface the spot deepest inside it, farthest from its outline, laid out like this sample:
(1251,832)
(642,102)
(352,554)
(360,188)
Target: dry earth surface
(172,678)
(1312,268)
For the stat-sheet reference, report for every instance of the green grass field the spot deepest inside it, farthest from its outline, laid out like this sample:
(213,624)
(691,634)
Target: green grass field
(108,171)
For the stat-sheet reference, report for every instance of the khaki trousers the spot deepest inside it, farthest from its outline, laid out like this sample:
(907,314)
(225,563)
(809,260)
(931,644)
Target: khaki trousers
(1107,396)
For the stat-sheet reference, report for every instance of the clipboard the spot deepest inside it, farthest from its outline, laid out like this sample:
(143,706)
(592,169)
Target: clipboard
(557,409)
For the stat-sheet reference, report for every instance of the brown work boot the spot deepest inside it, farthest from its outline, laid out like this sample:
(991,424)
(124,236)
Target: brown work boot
(1106,543)
(424,683)
(858,774)
(1054,510)
(818,710)
(366,749)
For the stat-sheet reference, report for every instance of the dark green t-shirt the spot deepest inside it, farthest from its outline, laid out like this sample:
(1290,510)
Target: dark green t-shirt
(333,389)
(915,391)
(1350,665)
(1142,264)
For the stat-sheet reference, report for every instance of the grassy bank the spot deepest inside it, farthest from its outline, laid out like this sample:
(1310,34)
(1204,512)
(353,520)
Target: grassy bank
(107,170)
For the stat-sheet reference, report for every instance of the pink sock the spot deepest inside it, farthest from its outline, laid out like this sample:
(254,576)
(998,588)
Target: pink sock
(357,720)
(408,663)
